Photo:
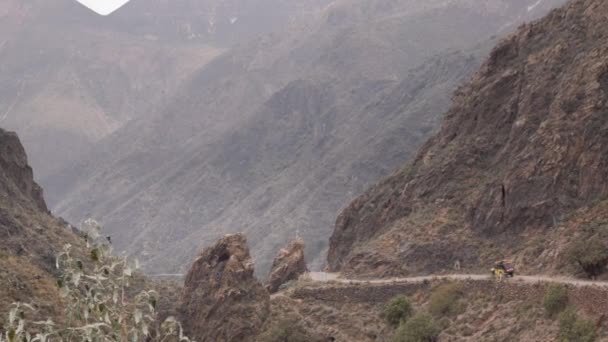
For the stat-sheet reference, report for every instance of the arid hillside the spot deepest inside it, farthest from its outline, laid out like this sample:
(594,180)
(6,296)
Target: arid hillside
(277,135)
(222,302)
(517,170)
(69,77)
(29,236)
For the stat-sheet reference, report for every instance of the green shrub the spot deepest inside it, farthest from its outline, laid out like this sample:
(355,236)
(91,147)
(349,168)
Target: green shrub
(575,329)
(555,300)
(98,306)
(287,330)
(590,255)
(399,309)
(419,328)
(446,300)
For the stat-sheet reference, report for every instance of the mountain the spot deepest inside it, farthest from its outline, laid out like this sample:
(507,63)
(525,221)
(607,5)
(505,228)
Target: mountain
(29,236)
(277,135)
(71,77)
(516,171)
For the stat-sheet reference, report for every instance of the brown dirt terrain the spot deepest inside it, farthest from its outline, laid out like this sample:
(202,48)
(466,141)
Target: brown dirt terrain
(486,310)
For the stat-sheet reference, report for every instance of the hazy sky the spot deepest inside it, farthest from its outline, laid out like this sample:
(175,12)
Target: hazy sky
(103,7)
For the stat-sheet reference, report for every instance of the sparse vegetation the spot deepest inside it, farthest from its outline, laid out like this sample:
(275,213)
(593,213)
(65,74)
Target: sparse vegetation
(397,311)
(419,328)
(555,300)
(287,330)
(98,306)
(575,329)
(446,300)
(591,255)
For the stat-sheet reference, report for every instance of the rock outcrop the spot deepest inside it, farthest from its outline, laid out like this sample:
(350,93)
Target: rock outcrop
(17,176)
(520,154)
(222,300)
(288,265)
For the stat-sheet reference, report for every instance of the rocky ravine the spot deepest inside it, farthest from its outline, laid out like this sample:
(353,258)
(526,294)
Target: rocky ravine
(279,134)
(518,168)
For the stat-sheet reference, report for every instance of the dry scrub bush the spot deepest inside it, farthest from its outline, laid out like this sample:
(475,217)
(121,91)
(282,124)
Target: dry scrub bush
(446,300)
(419,328)
(98,307)
(286,330)
(575,329)
(555,300)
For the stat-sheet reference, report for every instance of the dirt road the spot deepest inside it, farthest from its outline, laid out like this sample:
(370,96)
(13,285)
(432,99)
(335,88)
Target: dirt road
(323,277)
(335,277)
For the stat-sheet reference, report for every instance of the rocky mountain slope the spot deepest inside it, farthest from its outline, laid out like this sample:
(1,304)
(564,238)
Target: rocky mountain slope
(517,169)
(277,135)
(70,77)
(29,236)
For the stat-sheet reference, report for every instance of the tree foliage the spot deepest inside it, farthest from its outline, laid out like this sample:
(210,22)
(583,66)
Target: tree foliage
(591,255)
(398,310)
(98,306)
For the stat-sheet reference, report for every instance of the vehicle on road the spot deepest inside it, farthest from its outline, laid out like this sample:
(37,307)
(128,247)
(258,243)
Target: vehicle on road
(503,269)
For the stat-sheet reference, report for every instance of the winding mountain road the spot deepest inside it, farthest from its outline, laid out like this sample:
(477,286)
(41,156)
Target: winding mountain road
(335,277)
(324,277)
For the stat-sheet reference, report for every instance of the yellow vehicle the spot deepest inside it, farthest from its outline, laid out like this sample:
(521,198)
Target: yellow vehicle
(503,269)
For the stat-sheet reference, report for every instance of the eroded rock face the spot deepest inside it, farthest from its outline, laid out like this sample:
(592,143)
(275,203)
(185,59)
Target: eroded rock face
(30,238)
(523,146)
(222,300)
(17,176)
(288,265)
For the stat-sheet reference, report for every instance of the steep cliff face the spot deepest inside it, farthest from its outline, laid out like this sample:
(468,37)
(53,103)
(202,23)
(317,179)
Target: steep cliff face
(29,236)
(17,179)
(288,265)
(520,155)
(222,300)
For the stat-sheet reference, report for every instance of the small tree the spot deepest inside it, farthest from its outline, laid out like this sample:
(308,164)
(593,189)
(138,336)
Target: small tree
(419,328)
(98,307)
(591,255)
(555,300)
(399,309)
